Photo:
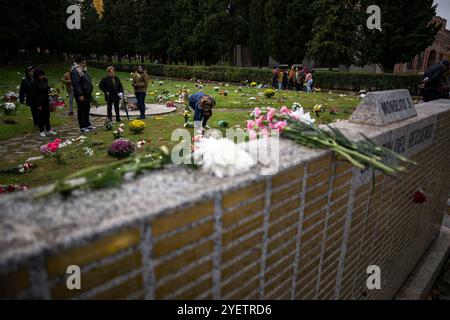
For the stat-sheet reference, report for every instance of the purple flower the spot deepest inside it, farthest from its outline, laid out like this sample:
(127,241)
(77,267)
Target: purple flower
(45,150)
(121,149)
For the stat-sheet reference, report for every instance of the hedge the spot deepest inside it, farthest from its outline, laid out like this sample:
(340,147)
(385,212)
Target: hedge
(323,79)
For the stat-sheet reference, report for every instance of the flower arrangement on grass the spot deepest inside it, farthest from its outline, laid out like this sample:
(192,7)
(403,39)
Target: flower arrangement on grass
(20,169)
(108,124)
(11,96)
(121,149)
(13,188)
(51,149)
(299,126)
(137,126)
(9,108)
(269,93)
(118,133)
(318,109)
(187,123)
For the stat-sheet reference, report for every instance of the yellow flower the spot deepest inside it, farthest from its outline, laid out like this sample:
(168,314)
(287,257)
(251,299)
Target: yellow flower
(137,126)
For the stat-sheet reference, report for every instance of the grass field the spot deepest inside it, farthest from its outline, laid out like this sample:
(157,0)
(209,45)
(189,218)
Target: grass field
(234,109)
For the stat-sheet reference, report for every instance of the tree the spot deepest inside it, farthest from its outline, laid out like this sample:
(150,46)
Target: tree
(257,32)
(289,24)
(334,33)
(155,20)
(407,30)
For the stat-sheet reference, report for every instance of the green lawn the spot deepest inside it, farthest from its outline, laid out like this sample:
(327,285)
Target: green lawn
(233,108)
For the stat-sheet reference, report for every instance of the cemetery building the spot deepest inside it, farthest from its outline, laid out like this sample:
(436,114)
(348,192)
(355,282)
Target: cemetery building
(439,50)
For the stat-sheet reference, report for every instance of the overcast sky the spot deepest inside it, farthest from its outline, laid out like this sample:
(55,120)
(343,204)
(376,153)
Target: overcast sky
(443,9)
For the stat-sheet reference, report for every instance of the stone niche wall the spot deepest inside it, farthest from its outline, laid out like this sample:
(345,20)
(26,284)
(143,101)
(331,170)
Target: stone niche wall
(310,232)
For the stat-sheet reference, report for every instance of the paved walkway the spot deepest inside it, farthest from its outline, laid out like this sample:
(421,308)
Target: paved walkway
(151,110)
(12,148)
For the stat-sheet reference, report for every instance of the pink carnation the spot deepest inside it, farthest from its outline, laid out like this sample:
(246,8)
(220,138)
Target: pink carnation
(281,125)
(251,124)
(285,110)
(257,113)
(270,115)
(260,122)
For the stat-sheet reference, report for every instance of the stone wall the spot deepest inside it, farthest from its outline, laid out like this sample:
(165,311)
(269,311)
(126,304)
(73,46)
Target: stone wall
(310,232)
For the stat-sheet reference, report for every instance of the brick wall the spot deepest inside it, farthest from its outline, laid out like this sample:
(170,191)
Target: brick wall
(310,232)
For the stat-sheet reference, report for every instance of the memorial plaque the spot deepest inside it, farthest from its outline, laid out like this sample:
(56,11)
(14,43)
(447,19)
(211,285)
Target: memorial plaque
(385,107)
(406,141)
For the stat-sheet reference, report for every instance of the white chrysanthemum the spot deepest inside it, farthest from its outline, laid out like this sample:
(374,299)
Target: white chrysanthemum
(10,106)
(222,157)
(302,116)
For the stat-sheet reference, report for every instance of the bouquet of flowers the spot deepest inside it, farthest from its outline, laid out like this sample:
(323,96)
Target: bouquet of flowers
(51,149)
(109,175)
(119,132)
(137,126)
(299,126)
(13,188)
(269,93)
(170,104)
(20,169)
(9,108)
(55,100)
(221,157)
(11,97)
(187,123)
(318,109)
(108,124)
(121,149)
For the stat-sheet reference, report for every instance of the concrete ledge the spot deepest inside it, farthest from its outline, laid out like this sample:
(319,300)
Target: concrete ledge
(308,232)
(420,282)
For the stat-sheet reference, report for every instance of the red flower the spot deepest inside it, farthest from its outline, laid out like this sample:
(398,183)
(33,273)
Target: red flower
(419,197)
(2,190)
(11,188)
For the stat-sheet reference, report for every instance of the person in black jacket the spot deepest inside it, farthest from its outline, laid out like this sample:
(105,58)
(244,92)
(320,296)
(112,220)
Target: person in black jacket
(39,100)
(82,91)
(433,82)
(24,93)
(113,89)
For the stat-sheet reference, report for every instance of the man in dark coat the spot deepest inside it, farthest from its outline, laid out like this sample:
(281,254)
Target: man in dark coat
(82,91)
(113,90)
(25,92)
(433,82)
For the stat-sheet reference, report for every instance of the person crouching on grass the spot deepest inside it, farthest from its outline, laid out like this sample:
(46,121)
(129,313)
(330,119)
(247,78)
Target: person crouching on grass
(113,90)
(202,104)
(40,93)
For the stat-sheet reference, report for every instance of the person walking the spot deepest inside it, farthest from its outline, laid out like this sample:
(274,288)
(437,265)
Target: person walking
(82,91)
(113,90)
(140,85)
(40,94)
(309,81)
(68,83)
(433,81)
(25,92)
